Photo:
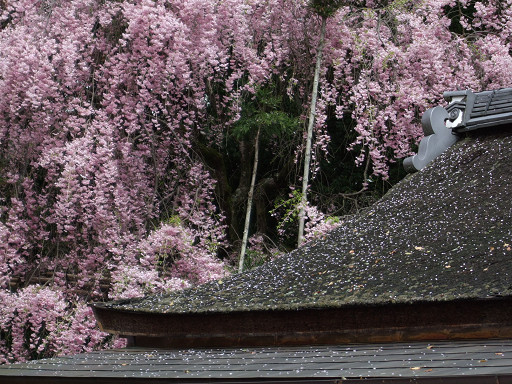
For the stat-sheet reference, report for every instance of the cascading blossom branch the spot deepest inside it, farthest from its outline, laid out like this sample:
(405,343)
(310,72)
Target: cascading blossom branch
(100,103)
(396,60)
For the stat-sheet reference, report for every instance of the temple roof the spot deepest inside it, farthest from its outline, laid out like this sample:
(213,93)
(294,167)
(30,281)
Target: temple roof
(444,233)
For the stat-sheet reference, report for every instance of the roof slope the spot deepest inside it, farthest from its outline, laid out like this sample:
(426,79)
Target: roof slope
(486,361)
(441,234)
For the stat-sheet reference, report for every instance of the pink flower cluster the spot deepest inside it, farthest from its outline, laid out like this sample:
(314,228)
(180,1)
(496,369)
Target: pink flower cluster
(38,322)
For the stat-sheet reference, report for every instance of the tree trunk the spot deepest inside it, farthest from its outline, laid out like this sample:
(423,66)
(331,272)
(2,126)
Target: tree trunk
(311,122)
(249,203)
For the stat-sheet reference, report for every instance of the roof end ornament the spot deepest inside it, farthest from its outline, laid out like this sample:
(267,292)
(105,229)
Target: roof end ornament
(438,137)
(467,111)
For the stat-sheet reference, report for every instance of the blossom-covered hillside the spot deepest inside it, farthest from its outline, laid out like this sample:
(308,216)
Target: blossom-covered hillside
(128,128)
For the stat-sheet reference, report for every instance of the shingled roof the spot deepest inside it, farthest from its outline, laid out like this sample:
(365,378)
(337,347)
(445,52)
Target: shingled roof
(441,235)
(462,362)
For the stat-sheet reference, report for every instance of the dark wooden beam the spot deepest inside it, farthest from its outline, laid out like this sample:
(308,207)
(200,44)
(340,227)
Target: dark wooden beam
(482,318)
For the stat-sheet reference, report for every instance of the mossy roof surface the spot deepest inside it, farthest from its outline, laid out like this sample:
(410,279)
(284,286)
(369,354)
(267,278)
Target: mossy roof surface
(443,233)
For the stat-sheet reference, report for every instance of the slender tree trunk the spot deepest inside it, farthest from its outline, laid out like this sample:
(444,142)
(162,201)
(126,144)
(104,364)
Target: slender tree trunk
(311,122)
(249,202)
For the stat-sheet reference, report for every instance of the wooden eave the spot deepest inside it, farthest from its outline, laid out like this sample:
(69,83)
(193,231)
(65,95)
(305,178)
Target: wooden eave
(435,320)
